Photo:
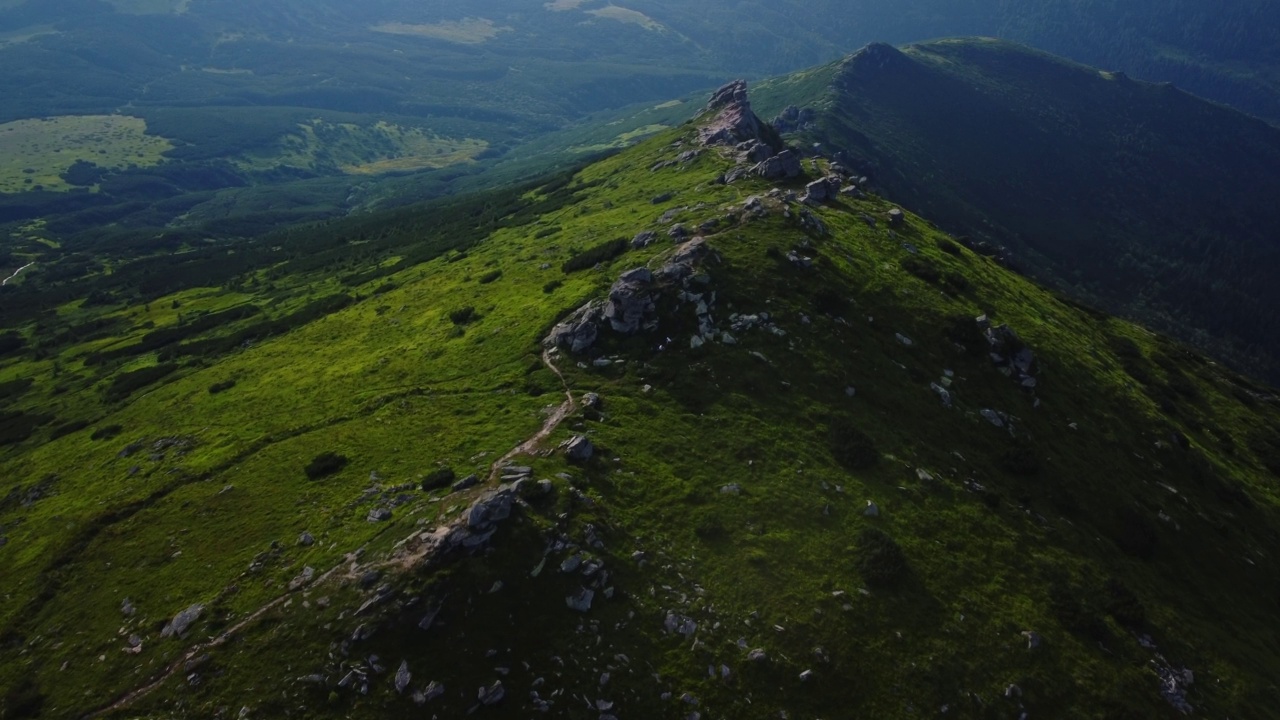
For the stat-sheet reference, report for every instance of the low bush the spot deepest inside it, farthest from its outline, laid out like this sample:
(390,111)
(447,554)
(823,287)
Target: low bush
(851,447)
(593,256)
(462,316)
(880,560)
(325,464)
(106,432)
(440,478)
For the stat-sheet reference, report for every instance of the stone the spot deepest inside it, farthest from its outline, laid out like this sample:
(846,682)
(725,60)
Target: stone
(581,600)
(757,655)
(178,626)
(432,691)
(733,489)
(1034,639)
(466,483)
(820,191)
(571,564)
(302,579)
(580,330)
(806,676)
(127,608)
(630,301)
(904,340)
(643,240)
(943,394)
(984,323)
(783,166)
(592,401)
(379,515)
(493,694)
(403,676)
(680,624)
(578,448)
(306,539)
(992,417)
(896,217)
(872,510)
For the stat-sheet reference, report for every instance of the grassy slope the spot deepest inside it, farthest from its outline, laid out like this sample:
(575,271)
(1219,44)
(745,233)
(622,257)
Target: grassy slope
(398,392)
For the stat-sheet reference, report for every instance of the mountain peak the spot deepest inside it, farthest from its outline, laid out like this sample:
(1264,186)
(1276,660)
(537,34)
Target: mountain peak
(735,122)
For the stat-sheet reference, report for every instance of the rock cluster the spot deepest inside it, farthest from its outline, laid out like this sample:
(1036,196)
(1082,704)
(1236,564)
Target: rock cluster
(794,119)
(631,307)
(1009,353)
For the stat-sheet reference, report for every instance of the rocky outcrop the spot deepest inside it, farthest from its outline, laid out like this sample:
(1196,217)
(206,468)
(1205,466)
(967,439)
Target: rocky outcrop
(579,331)
(734,121)
(631,307)
(823,190)
(783,166)
(794,119)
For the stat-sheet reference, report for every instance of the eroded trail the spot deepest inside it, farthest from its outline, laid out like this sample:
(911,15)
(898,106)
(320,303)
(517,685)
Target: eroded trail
(553,421)
(405,561)
(16,273)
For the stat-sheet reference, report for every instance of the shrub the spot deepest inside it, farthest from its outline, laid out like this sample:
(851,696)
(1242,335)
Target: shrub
(123,385)
(1123,605)
(1133,533)
(223,386)
(462,316)
(552,286)
(324,465)
(880,560)
(67,428)
(593,256)
(106,432)
(851,447)
(949,247)
(547,232)
(1020,460)
(440,478)
(490,276)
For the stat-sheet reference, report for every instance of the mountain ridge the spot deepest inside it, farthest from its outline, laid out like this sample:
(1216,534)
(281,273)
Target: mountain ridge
(794,479)
(1136,197)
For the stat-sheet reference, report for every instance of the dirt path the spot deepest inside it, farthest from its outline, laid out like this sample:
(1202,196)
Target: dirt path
(16,273)
(529,446)
(413,559)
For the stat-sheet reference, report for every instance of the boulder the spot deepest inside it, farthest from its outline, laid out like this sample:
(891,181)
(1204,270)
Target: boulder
(757,655)
(306,539)
(379,515)
(581,600)
(178,626)
(580,330)
(493,694)
(820,191)
(783,166)
(578,448)
(896,217)
(403,676)
(643,240)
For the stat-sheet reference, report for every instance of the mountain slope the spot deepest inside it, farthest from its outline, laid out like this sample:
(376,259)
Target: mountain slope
(1138,197)
(333,100)
(800,445)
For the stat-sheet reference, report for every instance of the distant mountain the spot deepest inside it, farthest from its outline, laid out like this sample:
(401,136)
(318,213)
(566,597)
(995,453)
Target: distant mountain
(1138,197)
(333,98)
(695,430)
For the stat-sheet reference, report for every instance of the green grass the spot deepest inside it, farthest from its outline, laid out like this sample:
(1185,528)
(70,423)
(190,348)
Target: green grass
(400,388)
